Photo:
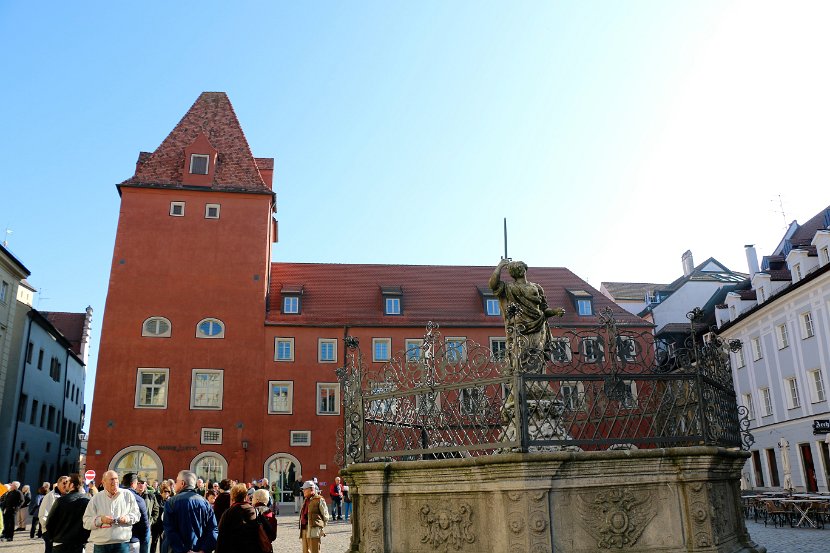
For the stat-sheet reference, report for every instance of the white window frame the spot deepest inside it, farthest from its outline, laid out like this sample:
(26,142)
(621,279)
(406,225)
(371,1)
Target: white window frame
(574,400)
(149,320)
(817,391)
(193,390)
(469,405)
(379,407)
(377,342)
(584,304)
(783,336)
(458,341)
(222,463)
(492,307)
(583,347)
(4,291)
(208,207)
(757,352)
(563,343)
(766,396)
(173,206)
(328,342)
(414,348)
(630,353)
(740,358)
(502,348)
(206,441)
(434,400)
(295,434)
(139,387)
(330,386)
(825,255)
(206,157)
(793,397)
(750,408)
(807,328)
(631,401)
(291,304)
(283,340)
(212,321)
(289,385)
(391,305)
(797,272)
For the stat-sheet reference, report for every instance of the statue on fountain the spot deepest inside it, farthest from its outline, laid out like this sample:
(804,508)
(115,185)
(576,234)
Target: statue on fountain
(526,312)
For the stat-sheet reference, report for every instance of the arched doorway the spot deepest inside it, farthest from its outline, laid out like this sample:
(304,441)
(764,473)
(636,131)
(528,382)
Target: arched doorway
(282,470)
(139,459)
(209,466)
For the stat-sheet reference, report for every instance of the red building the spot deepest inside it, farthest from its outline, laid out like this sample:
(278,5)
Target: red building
(217,360)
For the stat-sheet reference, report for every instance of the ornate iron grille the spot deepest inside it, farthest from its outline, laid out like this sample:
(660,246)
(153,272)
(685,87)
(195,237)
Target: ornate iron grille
(599,388)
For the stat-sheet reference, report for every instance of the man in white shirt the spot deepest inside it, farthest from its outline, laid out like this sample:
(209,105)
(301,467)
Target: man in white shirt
(110,517)
(46,505)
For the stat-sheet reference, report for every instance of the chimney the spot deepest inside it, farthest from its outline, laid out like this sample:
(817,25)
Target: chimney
(751,259)
(85,335)
(688,263)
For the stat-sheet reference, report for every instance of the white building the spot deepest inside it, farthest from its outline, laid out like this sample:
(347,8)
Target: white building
(781,372)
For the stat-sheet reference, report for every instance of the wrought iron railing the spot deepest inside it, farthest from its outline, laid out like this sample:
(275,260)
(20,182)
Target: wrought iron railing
(599,388)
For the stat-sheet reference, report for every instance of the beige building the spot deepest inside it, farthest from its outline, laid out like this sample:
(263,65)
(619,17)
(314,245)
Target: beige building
(12,271)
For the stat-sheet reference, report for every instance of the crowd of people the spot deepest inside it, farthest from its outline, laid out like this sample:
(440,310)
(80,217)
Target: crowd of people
(124,514)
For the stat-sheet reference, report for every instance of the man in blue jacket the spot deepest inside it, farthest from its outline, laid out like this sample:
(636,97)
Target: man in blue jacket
(140,542)
(189,522)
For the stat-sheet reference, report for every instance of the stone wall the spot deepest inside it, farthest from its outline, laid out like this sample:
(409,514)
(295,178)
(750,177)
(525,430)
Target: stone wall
(666,500)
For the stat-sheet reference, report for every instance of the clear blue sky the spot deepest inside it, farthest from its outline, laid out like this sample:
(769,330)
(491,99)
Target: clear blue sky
(612,135)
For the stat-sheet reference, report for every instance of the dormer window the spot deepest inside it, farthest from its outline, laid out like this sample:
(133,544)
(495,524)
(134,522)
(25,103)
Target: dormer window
(392,296)
(491,303)
(199,164)
(291,299)
(583,302)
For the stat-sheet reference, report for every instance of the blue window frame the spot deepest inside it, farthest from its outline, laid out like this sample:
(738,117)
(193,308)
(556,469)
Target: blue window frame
(584,307)
(392,306)
(493,308)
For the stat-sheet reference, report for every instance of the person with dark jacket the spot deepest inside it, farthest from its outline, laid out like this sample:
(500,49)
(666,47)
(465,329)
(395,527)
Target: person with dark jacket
(239,527)
(163,493)
(189,522)
(65,523)
(141,529)
(34,507)
(223,500)
(12,501)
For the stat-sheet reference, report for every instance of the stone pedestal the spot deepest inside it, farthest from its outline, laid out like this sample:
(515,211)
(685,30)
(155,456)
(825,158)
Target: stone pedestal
(666,500)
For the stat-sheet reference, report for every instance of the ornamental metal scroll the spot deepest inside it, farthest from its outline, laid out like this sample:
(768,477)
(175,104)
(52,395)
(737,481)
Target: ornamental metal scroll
(609,386)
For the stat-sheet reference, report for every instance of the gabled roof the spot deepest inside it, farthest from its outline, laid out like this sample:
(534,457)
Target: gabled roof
(212,115)
(710,270)
(21,268)
(71,325)
(631,290)
(337,295)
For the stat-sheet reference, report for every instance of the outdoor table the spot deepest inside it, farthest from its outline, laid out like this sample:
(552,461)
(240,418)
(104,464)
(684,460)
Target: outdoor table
(803,508)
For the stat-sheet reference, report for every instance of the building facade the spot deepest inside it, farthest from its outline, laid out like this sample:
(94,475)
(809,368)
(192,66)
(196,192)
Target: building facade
(781,372)
(217,360)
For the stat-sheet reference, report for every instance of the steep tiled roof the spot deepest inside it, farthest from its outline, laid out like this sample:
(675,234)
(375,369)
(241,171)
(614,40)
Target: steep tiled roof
(449,295)
(631,290)
(747,295)
(212,115)
(71,325)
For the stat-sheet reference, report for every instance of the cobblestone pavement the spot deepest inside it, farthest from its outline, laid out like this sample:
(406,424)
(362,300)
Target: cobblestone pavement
(338,535)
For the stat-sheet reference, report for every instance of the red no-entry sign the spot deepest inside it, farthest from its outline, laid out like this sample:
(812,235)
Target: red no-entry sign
(89,475)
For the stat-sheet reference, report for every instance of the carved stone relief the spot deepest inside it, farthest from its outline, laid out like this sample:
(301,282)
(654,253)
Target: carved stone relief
(616,518)
(447,528)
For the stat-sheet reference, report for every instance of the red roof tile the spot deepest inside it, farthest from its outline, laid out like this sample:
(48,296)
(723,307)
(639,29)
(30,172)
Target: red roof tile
(336,294)
(213,115)
(71,325)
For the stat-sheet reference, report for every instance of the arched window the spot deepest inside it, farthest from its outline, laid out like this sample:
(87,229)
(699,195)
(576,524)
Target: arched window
(210,328)
(282,469)
(209,466)
(156,327)
(139,459)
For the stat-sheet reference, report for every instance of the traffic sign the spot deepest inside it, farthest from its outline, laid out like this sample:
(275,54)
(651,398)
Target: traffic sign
(89,475)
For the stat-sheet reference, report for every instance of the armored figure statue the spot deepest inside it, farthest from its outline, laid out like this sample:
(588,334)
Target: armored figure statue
(526,312)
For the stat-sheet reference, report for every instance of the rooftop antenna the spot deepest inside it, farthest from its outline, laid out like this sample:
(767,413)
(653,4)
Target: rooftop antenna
(6,238)
(781,211)
(42,295)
